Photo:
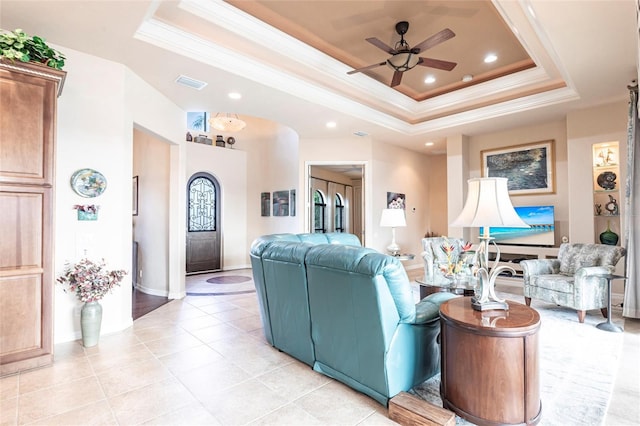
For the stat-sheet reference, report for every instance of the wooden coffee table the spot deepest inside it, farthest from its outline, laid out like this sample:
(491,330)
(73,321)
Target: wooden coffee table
(489,373)
(428,288)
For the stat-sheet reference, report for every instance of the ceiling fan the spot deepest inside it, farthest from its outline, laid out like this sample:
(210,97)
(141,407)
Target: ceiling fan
(405,57)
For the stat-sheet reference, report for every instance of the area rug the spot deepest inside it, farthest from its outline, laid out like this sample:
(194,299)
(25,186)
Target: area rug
(218,285)
(578,366)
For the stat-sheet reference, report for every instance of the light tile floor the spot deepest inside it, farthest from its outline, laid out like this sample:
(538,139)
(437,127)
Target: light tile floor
(203,360)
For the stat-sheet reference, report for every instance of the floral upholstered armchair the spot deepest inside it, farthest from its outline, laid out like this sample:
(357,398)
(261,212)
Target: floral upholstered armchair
(573,280)
(452,254)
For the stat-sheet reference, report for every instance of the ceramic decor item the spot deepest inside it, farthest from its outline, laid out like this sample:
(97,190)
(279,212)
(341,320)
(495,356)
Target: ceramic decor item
(607,180)
(90,323)
(609,237)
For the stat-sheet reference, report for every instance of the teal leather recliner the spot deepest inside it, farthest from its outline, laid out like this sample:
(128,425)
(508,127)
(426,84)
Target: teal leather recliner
(363,328)
(281,286)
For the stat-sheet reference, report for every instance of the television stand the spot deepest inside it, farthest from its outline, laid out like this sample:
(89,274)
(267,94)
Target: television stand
(513,255)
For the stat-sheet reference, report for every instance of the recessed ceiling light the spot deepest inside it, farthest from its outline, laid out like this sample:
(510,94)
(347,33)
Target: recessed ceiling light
(331,124)
(235,95)
(491,57)
(428,144)
(430,79)
(467,78)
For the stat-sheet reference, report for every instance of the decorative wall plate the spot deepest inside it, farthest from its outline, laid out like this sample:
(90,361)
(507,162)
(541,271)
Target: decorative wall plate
(88,183)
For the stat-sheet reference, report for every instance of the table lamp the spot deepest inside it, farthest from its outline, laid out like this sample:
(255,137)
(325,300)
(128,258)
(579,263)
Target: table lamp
(488,204)
(393,218)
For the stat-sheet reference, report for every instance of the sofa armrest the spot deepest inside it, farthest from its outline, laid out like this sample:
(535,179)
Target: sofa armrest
(427,258)
(429,308)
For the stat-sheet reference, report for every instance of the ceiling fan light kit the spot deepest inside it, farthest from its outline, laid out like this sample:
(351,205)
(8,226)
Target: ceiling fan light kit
(404,57)
(403,61)
(227,122)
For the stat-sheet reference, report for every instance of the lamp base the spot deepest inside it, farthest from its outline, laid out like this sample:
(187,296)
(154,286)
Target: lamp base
(393,249)
(488,305)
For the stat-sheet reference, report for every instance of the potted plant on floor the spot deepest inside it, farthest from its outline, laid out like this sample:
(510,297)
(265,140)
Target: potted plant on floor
(90,281)
(17,45)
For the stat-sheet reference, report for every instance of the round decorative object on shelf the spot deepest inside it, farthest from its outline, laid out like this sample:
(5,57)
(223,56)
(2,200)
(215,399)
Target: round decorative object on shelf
(612,206)
(607,180)
(88,183)
(231,140)
(609,237)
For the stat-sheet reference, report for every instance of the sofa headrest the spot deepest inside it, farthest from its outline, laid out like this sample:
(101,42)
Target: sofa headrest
(260,243)
(370,263)
(343,238)
(574,256)
(286,251)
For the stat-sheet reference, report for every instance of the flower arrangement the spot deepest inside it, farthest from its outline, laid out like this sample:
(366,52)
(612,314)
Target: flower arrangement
(90,280)
(87,208)
(455,263)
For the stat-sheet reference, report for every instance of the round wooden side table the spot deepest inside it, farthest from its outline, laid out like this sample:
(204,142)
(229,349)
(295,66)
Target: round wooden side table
(490,367)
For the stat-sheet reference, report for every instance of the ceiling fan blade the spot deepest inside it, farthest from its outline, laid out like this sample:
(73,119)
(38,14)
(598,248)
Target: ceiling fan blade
(434,40)
(397,78)
(437,63)
(382,45)
(368,67)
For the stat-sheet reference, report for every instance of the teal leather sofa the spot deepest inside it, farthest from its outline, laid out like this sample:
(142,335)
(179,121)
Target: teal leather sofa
(347,311)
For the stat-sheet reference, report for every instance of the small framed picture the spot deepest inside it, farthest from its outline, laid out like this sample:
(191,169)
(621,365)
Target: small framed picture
(265,204)
(281,203)
(135,195)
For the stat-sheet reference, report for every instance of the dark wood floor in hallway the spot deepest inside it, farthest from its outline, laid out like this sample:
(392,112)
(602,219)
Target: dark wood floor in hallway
(142,303)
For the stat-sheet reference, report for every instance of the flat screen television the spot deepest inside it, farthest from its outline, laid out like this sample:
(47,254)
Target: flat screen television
(540,234)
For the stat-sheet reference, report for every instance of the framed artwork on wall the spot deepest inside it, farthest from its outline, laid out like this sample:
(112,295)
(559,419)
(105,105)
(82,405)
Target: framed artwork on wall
(281,203)
(135,196)
(396,200)
(198,121)
(292,202)
(530,168)
(265,204)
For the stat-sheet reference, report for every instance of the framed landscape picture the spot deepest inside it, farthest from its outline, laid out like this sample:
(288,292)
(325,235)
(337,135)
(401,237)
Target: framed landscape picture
(529,167)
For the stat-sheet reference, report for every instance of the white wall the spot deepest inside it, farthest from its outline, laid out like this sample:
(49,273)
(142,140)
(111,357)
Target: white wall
(92,132)
(100,102)
(272,165)
(399,170)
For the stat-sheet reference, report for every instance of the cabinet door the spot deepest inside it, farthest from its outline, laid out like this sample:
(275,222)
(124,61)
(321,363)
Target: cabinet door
(26,280)
(26,129)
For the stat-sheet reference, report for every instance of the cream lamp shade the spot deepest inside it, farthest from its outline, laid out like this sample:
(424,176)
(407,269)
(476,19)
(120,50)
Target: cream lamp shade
(488,204)
(393,218)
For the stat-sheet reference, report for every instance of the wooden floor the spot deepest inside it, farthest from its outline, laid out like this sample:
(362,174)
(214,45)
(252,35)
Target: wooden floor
(143,303)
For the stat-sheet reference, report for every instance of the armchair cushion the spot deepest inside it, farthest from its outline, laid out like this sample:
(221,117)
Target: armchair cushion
(575,256)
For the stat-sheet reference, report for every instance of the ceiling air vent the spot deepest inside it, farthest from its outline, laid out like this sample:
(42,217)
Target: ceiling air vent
(191,82)
(360,133)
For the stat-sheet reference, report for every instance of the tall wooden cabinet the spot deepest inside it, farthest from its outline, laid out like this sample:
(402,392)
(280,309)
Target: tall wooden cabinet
(28,97)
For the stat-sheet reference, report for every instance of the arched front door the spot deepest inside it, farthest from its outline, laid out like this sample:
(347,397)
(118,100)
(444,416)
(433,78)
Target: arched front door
(203,224)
